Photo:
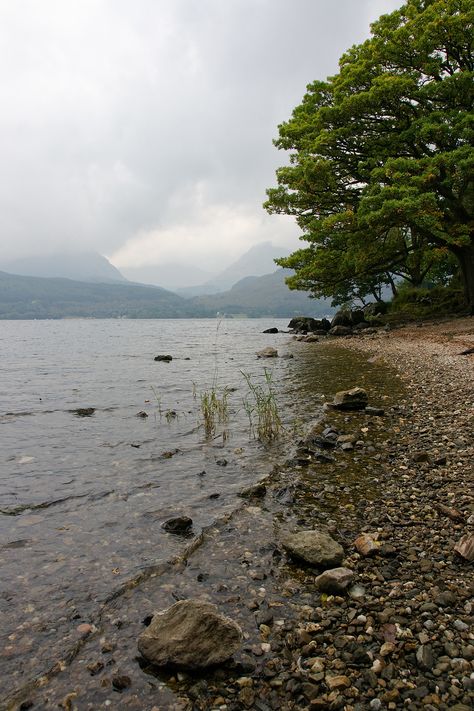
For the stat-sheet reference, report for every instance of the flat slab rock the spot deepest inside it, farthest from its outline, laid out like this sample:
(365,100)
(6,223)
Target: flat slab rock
(191,634)
(353,399)
(314,547)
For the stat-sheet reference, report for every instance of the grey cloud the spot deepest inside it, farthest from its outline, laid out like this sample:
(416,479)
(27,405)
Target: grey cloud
(122,119)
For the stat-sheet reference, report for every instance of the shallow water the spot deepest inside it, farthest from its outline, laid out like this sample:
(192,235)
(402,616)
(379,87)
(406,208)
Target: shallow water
(82,499)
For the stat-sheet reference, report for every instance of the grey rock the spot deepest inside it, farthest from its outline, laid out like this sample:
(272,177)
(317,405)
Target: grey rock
(353,399)
(424,657)
(191,634)
(375,411)
(314,547)
(267,352)
(335,580)
(341,318)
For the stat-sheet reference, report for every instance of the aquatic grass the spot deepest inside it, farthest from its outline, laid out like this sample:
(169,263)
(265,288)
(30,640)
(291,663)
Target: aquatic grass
(214,410)
(214,402)
(262,408)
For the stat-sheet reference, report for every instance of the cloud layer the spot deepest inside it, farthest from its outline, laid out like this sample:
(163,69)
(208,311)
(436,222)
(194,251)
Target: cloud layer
(143,130)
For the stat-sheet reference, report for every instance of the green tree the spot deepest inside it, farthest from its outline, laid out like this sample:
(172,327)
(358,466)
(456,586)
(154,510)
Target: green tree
(386,144)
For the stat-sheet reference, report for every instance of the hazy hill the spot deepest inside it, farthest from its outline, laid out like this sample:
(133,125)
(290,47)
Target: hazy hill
(35,297)
(266,295)
(83,266)
(257,261)
(172,276)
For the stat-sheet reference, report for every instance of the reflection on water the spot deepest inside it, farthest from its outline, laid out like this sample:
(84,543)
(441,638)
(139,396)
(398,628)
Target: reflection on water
(83,498)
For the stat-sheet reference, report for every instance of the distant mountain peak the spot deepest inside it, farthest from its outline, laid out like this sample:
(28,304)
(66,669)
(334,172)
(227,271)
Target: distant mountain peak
(80,266)
(256,261)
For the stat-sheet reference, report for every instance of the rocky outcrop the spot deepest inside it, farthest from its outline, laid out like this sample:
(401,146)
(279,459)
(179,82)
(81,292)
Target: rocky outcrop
(191,634)
(313,547)
(307,324)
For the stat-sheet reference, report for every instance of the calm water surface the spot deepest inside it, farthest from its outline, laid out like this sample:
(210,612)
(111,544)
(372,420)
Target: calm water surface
(82,499)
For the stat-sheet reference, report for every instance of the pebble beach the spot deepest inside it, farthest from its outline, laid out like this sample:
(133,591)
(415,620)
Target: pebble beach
(397,634)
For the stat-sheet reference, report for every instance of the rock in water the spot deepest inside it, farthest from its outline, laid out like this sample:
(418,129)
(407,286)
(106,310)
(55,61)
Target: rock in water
(353,399)
(314,547)
(163,358)
(191,634)
(268,352)
(179,525)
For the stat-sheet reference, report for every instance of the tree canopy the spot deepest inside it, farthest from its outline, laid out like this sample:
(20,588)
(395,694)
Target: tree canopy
(381,170)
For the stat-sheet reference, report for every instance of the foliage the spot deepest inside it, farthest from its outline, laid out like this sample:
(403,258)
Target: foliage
(381,166)
(422,303)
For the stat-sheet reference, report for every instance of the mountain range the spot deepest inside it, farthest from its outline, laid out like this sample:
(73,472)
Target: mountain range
(99,290)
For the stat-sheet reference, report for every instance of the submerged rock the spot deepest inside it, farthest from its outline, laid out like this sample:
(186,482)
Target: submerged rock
(314,547)
(84,411)
(163,358)
(190,634)
(178,525)
(270,330)
(353,399)
(268,352)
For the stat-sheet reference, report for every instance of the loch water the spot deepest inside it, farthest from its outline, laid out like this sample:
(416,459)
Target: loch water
(83,496)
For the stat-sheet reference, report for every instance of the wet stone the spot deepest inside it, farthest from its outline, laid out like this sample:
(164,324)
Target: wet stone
(314,547)
(178,525)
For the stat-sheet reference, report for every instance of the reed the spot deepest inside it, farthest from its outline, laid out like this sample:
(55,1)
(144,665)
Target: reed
(262,408)
(214,410)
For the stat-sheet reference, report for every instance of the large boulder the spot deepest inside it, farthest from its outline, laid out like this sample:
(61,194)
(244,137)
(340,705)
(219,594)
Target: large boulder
(314,547)
(353,399)
(341,318)
(357,316)
(191,634)
(306,324)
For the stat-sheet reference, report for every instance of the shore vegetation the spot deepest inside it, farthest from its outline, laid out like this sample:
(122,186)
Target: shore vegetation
(381,171)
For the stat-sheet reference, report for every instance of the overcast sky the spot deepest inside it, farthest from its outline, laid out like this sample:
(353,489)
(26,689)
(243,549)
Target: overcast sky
(143,129)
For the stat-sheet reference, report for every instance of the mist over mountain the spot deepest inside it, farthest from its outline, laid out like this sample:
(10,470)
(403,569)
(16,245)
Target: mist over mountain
(81,266)
(257,261)
(172,276)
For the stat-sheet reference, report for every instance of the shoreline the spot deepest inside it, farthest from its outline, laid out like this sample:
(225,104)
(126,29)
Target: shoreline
(403,640)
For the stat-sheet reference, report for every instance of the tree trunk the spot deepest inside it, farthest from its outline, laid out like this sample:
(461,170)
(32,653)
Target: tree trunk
(465,256)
